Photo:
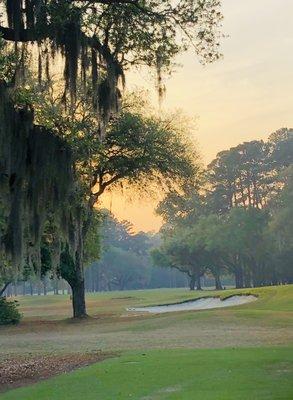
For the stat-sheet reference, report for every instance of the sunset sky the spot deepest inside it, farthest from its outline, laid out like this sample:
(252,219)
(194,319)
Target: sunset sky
(246,95)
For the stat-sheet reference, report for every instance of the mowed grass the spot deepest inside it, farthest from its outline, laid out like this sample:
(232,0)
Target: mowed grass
(242,352)
(47,328)
(273,298)
(222,374)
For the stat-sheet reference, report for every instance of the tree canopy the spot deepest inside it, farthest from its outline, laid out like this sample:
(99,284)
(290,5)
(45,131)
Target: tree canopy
(239,221)
(100,39)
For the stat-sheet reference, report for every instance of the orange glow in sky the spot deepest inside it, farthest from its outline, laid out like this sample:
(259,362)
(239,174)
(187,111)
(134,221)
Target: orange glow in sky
(246,95)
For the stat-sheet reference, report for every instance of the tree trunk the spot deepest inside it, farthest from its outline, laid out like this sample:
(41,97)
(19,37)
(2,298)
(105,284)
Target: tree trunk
(78,299)
(76,281)
(45,287)
(71,269)
(56,286)
(198,283)
(192,282)
(218,283)
(238,277)
(31,288)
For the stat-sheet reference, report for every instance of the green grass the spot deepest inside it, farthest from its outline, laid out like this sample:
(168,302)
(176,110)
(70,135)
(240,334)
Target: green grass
(59,307)
(46,327)
(239,353)
(223,374)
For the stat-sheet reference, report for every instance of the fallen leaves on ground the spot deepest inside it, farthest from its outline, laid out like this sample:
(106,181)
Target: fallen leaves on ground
(24,370)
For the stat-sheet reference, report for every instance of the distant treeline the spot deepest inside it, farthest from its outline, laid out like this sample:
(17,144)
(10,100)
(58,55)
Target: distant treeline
(125,261)
(38,287)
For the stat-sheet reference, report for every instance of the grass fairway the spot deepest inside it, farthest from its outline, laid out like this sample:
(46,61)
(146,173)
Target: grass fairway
(222,374)
(243,352)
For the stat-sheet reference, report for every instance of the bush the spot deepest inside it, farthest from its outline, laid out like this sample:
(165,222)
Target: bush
(9,313)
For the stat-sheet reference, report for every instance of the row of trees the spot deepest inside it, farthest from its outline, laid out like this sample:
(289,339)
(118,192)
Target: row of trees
(241,223)
(35,286)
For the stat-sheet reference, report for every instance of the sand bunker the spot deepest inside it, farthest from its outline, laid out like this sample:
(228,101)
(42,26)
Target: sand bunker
(203,303)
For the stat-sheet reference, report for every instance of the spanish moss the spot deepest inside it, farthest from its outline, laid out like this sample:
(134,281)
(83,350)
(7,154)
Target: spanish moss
(36,179)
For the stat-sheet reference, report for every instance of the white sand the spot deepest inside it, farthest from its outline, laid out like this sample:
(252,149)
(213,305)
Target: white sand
(200,304)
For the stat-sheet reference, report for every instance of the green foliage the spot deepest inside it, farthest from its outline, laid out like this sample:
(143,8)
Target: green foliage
(122,268)
(183,206)
(281,226)
(92,244)
(146,152)
(98,41)
(140,149)
(236,241)
(8,62)
(240,177)
(241,221)
(248,175)
(282,223)
(179,250)
(36,182)
(9,313)
(281,143)
(118,34)
(66,268)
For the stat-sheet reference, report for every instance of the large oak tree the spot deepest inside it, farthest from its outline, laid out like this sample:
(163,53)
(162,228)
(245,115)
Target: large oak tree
(95,42)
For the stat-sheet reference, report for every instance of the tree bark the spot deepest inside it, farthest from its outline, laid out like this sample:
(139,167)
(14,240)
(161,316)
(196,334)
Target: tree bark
(76,280)
(78,299)
(78,288)
(72,269)
(218,283)
(192,282)
(74,276)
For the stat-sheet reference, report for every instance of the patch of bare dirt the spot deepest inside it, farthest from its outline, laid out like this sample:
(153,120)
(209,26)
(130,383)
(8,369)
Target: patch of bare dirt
(25,370)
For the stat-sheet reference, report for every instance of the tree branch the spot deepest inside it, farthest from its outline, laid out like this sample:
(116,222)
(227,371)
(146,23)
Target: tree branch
(23,35)
(4,288)
(103,187)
